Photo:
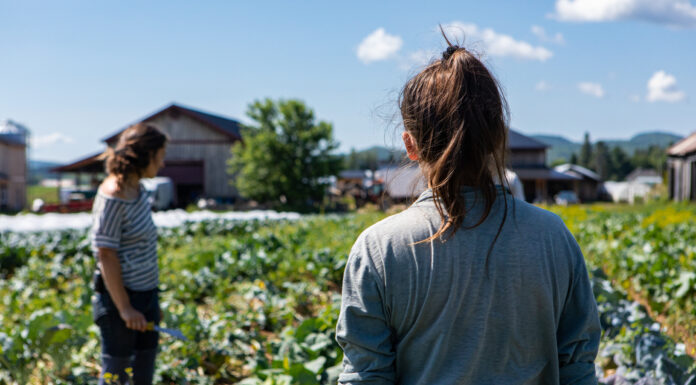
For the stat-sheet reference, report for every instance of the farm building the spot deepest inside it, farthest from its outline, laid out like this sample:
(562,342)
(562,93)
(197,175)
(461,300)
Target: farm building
(197,153)
(13,166)
(644,175)
(526,167)
(527,158)
(588,186)
(681,166)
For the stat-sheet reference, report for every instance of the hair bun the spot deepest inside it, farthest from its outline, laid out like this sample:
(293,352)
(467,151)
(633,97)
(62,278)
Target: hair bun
(446,54)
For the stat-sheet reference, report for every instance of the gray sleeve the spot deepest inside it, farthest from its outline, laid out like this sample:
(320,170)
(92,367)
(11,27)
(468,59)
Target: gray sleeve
(362,330)
(579,329)
(106,226)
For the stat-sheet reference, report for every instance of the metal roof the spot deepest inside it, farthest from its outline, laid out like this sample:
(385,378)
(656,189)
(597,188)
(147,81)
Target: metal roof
(90,164)
(517,141)
(685,146)
(221,124)
(574,168)
(542,173)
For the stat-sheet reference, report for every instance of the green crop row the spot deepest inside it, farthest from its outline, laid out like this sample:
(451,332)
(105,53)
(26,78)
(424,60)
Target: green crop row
(258,302)
(650,252)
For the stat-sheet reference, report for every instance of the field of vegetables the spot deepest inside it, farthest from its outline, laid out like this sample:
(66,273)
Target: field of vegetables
(258,300)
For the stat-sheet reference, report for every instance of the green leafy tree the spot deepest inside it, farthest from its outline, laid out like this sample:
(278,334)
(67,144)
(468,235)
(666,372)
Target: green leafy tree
(286,155)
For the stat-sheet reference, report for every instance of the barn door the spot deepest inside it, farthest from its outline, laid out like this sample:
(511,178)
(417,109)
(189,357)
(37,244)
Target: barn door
(188,178)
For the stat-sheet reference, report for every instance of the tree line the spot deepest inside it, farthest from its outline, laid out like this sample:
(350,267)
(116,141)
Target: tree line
(614,163)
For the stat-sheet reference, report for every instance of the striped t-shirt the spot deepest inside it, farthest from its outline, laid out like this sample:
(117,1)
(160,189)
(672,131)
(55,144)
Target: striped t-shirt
(127,227)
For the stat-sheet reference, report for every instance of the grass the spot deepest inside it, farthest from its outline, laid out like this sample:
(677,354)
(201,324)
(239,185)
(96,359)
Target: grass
(47,194)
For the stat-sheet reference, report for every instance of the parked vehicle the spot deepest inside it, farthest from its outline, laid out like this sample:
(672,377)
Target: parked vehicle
(161,191)
(566,197)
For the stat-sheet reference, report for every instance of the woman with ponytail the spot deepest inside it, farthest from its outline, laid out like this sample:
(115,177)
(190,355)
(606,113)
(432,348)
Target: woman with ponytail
(468,285)
(124,239)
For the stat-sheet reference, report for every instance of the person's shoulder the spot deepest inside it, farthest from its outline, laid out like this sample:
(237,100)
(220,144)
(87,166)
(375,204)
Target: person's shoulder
(410,225)
(110,190)
(529,213)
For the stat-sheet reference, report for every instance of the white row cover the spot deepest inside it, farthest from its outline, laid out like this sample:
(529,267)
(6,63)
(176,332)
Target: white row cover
(171,218)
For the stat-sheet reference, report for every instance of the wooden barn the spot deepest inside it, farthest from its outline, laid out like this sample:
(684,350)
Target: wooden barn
(13,166)
(681,166)
(197,154)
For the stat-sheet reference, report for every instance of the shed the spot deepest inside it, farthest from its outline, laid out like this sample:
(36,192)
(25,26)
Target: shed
(588,186)
(681,166)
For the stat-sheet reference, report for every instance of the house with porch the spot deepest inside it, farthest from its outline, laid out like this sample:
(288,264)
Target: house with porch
(527,158)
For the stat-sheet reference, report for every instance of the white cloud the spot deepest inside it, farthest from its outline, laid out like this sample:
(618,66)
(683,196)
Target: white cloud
(542,86)
(676,13)
(594,89)
(662,87)
(40,141)
(379,45)
(540,32)
(494,43)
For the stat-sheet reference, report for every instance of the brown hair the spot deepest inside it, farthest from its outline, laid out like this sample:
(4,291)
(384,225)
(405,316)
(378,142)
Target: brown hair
(458,116)
(135,149)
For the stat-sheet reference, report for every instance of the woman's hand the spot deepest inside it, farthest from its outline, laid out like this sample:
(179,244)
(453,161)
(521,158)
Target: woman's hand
(134,319)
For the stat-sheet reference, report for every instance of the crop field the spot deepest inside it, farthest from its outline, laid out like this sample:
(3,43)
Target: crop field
(258,300)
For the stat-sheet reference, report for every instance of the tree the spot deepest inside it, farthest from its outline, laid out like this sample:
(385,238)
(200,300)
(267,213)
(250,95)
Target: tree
(601,160)
(286,155)
(654,157)
(621,165)
(558,162)
(573,158)
(585,157)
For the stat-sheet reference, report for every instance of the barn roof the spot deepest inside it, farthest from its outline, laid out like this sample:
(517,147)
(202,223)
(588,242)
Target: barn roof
(517,141)
(684,147)
(572,169)
(90,164)
(542,173)
(221,124)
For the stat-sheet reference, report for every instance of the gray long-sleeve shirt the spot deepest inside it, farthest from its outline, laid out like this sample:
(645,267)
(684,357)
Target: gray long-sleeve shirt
(430,314)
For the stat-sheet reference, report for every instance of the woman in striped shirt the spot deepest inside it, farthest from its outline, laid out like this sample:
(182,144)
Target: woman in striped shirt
(124,239)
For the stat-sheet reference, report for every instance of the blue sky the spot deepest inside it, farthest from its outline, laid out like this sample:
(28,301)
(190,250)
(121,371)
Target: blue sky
(75,71)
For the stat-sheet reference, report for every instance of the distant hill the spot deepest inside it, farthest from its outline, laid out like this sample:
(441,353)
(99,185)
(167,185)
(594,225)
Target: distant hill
(372,157)
(562,148)
(39,170)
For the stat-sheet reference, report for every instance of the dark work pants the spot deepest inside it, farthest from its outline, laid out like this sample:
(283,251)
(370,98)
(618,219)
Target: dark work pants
(126,352)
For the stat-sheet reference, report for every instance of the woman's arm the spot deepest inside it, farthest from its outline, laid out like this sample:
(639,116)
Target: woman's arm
(111,272)
(579,330)
(363,330)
